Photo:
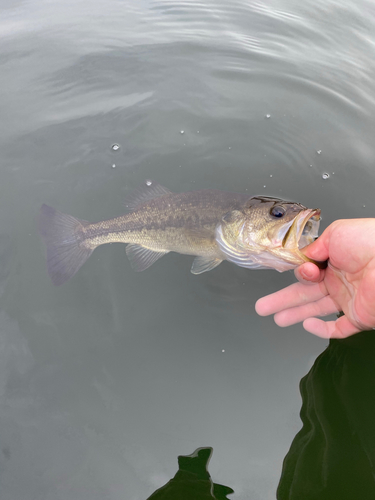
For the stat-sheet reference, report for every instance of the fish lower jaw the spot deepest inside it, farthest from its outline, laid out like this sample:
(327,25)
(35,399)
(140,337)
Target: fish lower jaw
(262,259)
(265,260)
(250,258)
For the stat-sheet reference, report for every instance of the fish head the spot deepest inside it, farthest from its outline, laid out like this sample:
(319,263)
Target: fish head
(268,233)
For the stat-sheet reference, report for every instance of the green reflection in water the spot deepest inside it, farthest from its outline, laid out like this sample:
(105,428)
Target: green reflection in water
(333,455)
(192,480)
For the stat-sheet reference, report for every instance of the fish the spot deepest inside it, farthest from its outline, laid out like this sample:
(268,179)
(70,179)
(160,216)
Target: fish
(258,232)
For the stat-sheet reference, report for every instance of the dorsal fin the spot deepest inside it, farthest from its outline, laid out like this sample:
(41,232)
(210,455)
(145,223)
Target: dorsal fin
(148,191)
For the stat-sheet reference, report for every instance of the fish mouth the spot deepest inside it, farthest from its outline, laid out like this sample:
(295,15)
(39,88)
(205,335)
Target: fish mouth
(303,230)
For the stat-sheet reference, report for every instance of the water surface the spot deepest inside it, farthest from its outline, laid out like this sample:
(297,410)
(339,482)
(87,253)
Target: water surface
(106,380)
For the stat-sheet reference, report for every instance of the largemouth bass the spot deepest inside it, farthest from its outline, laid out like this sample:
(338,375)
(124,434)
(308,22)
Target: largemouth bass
(257,233)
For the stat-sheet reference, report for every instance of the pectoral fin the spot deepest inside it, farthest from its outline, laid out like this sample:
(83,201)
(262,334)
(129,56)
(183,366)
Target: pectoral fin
(203,264)
(140,257)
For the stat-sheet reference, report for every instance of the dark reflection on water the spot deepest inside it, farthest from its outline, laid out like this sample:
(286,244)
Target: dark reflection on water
(192,480)
(333,455)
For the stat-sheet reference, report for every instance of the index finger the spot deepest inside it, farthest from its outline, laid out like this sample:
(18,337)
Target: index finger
(291,296)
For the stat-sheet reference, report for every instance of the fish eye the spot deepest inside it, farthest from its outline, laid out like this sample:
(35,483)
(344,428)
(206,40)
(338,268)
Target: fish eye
(277,211)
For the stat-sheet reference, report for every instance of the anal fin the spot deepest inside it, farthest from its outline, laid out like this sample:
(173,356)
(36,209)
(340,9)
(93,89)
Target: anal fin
(203,264)
(141,258)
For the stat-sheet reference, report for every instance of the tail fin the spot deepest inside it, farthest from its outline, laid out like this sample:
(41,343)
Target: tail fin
(66,252)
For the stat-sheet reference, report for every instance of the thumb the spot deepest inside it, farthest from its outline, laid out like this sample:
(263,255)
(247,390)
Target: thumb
(319,249)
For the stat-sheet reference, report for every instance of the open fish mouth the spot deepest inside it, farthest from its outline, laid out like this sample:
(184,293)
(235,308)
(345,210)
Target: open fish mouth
(304,229)
(308,228)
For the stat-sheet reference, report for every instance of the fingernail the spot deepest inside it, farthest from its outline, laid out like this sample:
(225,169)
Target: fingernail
(306,275)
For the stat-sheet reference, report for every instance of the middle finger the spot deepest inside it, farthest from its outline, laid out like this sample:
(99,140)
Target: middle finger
(321,307)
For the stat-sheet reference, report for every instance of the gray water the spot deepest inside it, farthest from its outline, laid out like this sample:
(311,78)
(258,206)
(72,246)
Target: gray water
(105,380)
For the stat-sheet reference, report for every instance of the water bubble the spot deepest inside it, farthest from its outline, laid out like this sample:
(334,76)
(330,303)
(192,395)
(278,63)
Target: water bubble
(264,186)
(325,175)
(197,131)
(148,183)
(230,147)
(310,165)
(115,147)
(363,206)
(268,115)
(223,350)
(271,175)
(182,131)
(113,165)
(319,151)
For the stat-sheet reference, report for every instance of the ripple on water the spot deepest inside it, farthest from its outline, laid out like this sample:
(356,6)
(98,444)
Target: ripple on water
(252,36)
(285,136)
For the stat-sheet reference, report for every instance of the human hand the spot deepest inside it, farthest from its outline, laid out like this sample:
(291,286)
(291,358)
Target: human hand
(348,283)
